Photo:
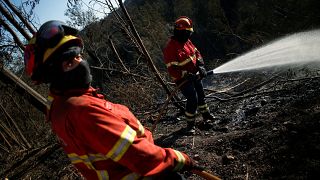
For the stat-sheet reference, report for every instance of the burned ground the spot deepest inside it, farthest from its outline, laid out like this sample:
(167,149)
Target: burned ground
(267,127)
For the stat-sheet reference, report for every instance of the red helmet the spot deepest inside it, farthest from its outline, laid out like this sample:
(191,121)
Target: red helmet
(183,23)
(49,39)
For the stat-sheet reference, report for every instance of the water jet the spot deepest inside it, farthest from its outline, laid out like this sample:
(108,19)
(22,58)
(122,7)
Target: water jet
(298,48)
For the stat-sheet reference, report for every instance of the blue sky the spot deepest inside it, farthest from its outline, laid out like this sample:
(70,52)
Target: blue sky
(51,10)
(54,9)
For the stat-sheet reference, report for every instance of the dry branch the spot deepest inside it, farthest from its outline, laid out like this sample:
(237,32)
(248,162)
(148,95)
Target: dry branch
(242,93)
(22,88)
(119,71)
(146,53)
(5,140)
(11,19)
(14,35)
(22,19)
(113,48)
(256,86)
(10,134)
(30,161)
(16,127)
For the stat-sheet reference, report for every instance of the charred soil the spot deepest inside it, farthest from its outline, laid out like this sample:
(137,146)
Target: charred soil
(266,128)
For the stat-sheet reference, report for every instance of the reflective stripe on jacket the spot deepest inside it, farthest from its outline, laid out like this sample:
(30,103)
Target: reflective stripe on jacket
(106,141)
(181,58)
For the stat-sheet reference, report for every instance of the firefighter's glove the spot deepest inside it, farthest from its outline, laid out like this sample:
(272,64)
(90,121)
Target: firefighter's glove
(193,165)
(202,72)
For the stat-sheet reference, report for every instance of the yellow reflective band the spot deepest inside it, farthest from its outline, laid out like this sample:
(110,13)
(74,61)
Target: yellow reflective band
(203,106)
(131,176)
(181,161)
(87,160)
(141,129)
(189,114)
(50,98)
(50,51)
(184,73)
(103,175)
(122,144)
(189,29)
(203,111)
(49,102)
(175,63)
(97,157)
(74,158)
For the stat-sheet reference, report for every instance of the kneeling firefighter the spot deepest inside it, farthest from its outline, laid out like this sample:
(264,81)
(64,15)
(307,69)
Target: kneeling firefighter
(102,139)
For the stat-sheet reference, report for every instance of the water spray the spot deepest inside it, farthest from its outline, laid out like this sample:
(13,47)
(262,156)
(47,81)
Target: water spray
(298,48)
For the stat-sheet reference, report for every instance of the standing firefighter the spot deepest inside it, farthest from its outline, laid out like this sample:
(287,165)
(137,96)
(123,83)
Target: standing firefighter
(102,139)
(184,61)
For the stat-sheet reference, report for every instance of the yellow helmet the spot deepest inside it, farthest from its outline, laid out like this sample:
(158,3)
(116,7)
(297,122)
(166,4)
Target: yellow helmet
(51,38)
(183,23)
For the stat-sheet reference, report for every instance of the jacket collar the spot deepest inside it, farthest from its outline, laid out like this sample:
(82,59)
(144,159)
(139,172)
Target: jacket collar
(76,92)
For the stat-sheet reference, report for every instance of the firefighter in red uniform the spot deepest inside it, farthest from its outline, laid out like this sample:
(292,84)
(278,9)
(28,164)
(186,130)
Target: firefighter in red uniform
(102,139)
(184,61)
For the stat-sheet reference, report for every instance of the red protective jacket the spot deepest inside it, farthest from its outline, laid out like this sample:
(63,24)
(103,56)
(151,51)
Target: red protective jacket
(106,141)
(181,58)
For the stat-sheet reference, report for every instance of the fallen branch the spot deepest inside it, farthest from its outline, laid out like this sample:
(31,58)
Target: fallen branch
(229,88)
(245,96)
(24,139)
(30,161)
(256,86)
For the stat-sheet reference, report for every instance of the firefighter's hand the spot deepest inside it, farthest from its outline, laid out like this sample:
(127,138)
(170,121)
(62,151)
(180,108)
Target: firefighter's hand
(202,72)
(192,166)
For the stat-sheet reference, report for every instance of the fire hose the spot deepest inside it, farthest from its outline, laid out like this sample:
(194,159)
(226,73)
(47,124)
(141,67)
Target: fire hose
(162,110)
(205,175)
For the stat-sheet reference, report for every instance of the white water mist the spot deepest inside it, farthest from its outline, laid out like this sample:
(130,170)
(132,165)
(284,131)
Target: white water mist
(299,48)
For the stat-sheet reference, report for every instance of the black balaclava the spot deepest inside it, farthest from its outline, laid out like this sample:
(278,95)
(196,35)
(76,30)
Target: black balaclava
(182,35)
(77,78)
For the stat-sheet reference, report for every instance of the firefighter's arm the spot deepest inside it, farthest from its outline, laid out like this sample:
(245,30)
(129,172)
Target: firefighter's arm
(172,64)
(110,135)
(148,159)
(200,61)
(200,64)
